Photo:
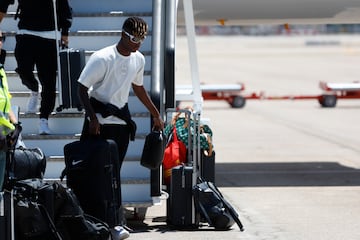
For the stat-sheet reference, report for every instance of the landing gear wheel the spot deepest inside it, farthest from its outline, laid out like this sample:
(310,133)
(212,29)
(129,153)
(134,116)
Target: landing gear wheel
(238,102)
(328,101)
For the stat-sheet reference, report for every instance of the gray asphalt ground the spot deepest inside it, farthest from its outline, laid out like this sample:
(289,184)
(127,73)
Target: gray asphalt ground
(289,167)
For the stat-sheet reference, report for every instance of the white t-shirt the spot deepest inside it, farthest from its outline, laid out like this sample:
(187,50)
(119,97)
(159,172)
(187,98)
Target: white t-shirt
(109,76)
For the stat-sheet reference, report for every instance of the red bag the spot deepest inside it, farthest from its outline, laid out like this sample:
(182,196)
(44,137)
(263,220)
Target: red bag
(174,155)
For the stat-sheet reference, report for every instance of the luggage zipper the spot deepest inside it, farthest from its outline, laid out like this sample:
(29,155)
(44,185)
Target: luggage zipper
(183,177)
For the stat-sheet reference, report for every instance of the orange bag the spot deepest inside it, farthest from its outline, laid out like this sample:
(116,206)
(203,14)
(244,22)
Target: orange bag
(174,155)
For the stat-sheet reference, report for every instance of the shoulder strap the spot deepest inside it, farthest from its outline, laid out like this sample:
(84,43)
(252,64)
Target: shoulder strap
(51,223)
(227,205)
(205,213)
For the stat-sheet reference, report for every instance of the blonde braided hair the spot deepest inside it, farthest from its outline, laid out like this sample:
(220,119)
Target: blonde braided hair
(135,26)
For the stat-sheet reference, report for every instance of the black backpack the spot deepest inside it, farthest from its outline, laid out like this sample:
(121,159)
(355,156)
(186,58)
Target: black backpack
(214,208)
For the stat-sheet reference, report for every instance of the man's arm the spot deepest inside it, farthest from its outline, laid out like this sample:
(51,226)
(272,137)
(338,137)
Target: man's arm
(12,117)
(2,15)
(65,12)
(145,99)
(94,126)
(4,4)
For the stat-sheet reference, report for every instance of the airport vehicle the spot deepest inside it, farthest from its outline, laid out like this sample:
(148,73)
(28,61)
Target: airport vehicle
(334,91)
(252,12)
(98,23)
(231,93)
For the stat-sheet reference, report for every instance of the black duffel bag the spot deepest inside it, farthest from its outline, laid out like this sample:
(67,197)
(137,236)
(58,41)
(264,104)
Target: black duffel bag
(26,163)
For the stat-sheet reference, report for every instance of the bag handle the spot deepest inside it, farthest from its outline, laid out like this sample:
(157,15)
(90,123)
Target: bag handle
(210,150)
(177,115)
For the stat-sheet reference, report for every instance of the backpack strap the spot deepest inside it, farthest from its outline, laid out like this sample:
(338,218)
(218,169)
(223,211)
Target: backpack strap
(205,213)
(227,205)
(51,223)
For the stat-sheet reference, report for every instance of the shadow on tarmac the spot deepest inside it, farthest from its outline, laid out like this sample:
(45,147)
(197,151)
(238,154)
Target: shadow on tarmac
(273,174)
(285,174)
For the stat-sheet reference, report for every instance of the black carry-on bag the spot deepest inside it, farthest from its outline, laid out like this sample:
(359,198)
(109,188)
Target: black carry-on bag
(92,170)
(182,211)
(72,62)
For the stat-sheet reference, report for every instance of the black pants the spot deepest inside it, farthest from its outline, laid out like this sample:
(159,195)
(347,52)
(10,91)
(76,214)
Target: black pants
(116,132)
(31,51)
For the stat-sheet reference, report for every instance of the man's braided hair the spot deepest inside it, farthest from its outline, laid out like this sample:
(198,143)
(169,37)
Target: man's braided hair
(135,26)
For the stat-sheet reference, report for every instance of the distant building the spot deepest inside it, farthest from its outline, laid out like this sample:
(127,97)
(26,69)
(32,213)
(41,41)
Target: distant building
(265,30)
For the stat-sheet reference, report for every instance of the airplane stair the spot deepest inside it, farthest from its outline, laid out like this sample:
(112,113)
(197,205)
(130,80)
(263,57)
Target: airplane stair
(96,25)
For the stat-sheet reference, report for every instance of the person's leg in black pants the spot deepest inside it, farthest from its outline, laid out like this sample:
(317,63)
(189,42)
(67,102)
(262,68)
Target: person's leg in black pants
(25,54)
(33,51)
(46,64)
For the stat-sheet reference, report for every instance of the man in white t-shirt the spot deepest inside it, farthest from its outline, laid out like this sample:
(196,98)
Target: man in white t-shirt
(109,74)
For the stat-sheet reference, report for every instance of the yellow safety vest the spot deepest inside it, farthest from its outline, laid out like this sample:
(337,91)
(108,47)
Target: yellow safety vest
(5,105)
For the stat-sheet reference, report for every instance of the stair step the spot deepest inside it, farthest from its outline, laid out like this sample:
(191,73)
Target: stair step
(53,144)
(129,6)
(123,180)
(17,89)
(94,26)
(139,189)
(88,53)
(20,99)
(67,123)
(131,171)
(84,39)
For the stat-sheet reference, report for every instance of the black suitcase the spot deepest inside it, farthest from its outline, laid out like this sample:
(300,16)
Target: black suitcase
(72,62)
(92,170)
(181,212)
(7,226)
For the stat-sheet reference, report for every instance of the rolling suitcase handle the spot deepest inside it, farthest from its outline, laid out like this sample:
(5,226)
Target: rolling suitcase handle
(173,122)
(12,217)
(57,39)
(193,147)
(7,214)
(196,155)
(58,60)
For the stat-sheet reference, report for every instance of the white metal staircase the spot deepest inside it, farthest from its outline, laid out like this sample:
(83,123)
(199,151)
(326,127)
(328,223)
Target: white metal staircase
(97,24)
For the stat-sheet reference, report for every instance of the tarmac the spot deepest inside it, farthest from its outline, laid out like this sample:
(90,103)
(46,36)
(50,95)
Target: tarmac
(290,168)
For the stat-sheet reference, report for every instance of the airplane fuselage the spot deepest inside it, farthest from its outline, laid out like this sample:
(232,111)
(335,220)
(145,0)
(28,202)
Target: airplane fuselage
(252,12)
